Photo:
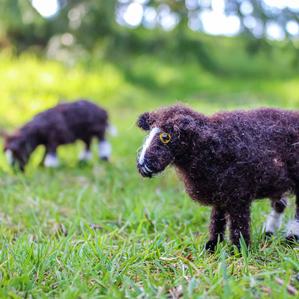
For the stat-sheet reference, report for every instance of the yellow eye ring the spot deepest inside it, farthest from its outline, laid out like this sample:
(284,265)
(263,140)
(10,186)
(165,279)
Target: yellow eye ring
(165,137)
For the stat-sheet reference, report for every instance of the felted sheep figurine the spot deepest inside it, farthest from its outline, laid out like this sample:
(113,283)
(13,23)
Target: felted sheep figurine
(62,124)
(226,161)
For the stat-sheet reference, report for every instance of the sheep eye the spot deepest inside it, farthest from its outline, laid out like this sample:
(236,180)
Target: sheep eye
(165,137)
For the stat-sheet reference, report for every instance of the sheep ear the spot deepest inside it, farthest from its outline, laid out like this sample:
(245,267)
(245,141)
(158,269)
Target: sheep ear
(143,121)
(185,123)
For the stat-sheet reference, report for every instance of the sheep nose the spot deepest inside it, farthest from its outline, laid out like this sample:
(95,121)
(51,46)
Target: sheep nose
(144,169)
(145,161)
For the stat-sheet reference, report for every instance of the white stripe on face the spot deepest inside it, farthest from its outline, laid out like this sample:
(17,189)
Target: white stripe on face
(9,156)
(147,143)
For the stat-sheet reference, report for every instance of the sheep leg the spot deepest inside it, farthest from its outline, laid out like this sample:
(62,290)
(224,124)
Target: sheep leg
(274,220)
(293,229)
(240,223)
(104,150)
(51,159)
(217,227)
(86,154)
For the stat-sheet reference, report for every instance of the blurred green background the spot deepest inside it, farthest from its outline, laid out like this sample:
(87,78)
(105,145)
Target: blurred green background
(131,56)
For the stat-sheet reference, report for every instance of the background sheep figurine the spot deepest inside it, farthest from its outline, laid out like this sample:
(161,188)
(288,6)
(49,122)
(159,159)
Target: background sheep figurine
(227,160)
(63,124)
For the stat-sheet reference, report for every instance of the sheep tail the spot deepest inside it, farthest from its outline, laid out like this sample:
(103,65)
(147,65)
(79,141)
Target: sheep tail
(112,130)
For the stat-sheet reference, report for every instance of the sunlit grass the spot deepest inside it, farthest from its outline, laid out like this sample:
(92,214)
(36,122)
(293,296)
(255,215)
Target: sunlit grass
(101,231)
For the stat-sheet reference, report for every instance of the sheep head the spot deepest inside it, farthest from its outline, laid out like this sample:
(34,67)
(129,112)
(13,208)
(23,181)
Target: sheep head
(16,150)
(171,133)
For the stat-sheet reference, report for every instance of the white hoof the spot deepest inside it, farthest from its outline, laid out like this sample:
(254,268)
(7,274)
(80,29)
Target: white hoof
(293,230)
(9,156)
(85,155)
(104,149)
(51,160)
(274,222)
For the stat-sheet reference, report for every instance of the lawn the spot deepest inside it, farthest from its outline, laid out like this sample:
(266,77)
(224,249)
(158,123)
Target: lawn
(101,231)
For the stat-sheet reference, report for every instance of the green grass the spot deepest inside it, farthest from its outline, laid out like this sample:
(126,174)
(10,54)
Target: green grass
(101,231)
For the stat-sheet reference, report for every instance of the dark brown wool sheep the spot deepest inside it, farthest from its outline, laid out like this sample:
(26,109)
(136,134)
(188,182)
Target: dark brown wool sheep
(227,160)
(62,124)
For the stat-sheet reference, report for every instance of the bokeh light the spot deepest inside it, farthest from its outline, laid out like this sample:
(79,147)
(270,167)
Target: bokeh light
(293,27)
(133,15)
(215,17)
(47,8)
(274,31)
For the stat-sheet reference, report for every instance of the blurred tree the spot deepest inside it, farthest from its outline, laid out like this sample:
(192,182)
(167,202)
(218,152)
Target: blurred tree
(101,25)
